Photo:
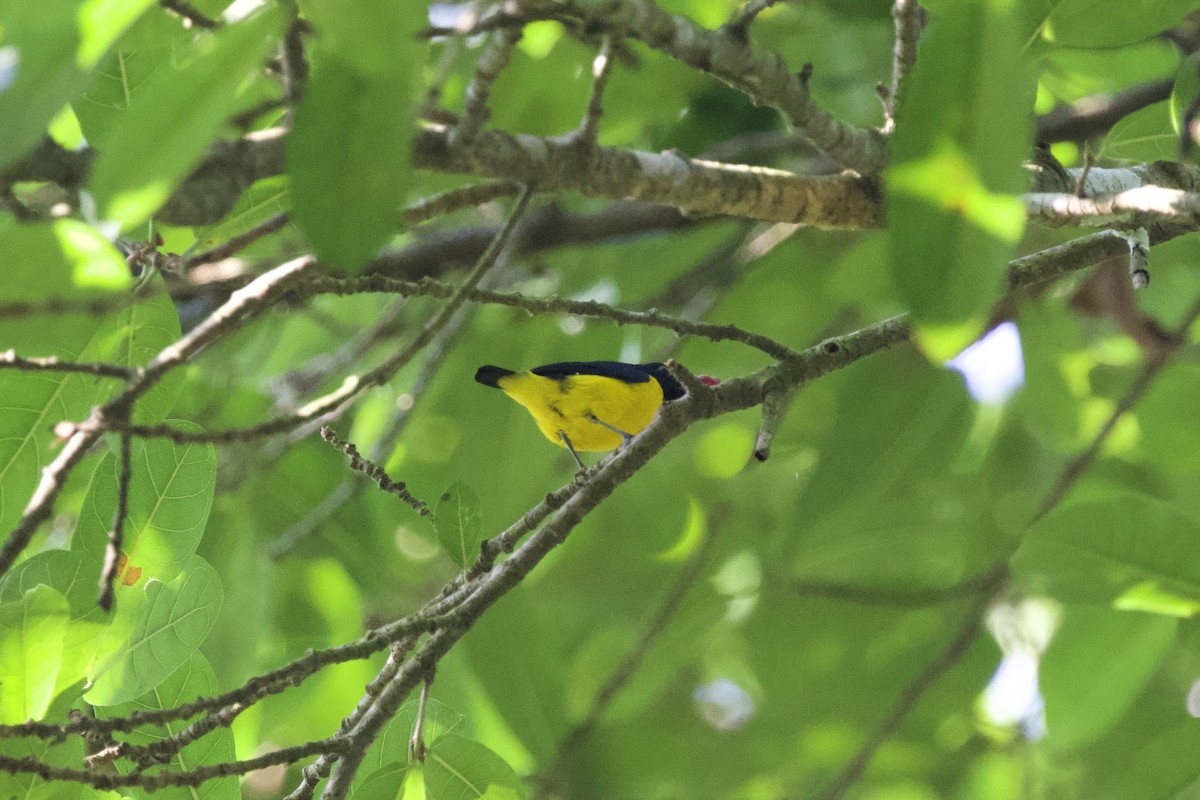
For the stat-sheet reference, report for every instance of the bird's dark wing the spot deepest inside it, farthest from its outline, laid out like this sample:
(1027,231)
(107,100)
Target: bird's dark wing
(629,373)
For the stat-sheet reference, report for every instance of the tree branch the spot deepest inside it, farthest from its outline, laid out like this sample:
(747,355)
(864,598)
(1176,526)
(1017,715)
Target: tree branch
(696,186)
(766,80)
(243,303)
(951,654)
(908,19)
(1092,116)
(10,360)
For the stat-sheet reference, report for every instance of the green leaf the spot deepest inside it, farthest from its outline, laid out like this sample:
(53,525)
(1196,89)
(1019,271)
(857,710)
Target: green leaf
(75,578)
(1186,89)
(1099,23)
(170,494)
(378,39)
(194,679)
(461,769)
(391,746)
(961,133)
(456,520)
(1145,135)
(150,45)
(132,337)
(1158,768)
(263,200)
(102,22)
(1097,664)
(61,260)
(1168,443)
(155,629)
(385,783)
(348,161)
(68,753)
(1113,550)
(31,652)
(348,154)
(180,110)
(38,46)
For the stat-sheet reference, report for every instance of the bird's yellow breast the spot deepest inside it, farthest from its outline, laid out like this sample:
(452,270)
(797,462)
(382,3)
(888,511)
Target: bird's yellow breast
(568,405)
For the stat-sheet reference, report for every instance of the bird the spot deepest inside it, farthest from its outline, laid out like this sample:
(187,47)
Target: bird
(589,406)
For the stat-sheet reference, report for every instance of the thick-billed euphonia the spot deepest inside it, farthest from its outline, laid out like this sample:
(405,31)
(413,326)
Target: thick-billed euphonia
(588,405)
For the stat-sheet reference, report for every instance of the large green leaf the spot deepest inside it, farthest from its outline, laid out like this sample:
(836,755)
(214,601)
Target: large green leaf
(456,520)
(150,44)
(391,746)
(155,629)
(75,578)
(348,161)
(31,652)
(1145,135)
(41,39)
(961,133)
(385,783)
(1124,549)
(180,110)
(192,680)
(1161,768)
(131,337)
(69,754)
(348,157)
(376,40)
(54,45)
(261,201)
(1167,443)
(1097,23)
(461,769)
(1096,666)
(61,260)
(170,494)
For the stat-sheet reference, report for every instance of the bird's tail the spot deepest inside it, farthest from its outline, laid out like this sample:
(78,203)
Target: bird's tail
(490,376)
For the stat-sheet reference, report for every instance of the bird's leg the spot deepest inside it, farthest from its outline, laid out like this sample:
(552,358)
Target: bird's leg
(567,443)
(626,436)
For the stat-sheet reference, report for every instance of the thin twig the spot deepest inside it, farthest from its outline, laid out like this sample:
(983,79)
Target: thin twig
(356,385)
(10,360)
(553,305)
(293,59)
(950,655)
(159,780)
(238,243)
(907,16)
(375,472)
(241,306)
(739,25)
(656,625)
(1150,370)
(589,126)
(396,424)
(253,690)
(116,536)
(491,63)
(899,598)
(455,199)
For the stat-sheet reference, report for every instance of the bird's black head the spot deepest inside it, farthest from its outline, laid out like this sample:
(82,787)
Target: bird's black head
(672,389)
(490,376)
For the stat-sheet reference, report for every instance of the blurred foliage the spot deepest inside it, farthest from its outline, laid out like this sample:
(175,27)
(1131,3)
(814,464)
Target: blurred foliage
(887,479)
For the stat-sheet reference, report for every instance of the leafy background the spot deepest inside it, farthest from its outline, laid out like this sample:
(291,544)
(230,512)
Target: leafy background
(807,595)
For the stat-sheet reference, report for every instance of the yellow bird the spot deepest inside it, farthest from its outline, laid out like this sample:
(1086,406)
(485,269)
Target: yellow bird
(588,405)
